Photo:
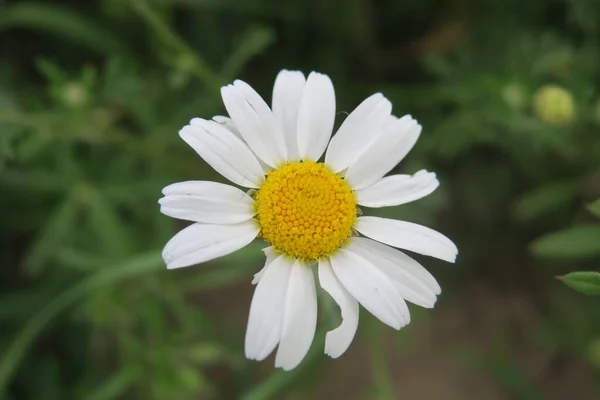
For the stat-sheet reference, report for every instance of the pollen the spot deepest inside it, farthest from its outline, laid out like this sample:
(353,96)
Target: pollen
(305,210)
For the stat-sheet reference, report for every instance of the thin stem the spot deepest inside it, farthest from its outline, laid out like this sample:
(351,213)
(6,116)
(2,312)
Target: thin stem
(280,381)
(168,37)
(381,378)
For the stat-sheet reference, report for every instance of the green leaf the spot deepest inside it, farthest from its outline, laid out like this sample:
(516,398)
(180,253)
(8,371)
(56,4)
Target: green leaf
(116,385)
(207,353)
(586,282)
(254,41)
(108,227)
(577,242)
(595,208)
(16,350)
(64,23)
(56,231)
(165,34)
(545,199)
(35,180)
(80,260)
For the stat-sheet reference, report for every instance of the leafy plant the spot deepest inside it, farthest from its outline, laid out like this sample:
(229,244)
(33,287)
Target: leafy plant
(92,95)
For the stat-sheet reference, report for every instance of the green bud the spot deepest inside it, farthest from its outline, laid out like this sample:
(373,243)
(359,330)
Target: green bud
(74,95)
(553,105)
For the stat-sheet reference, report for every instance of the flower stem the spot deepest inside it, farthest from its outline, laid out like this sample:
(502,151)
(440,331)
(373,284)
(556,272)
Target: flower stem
(384,389)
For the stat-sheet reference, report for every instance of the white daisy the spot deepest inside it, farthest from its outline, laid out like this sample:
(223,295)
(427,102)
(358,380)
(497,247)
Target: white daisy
(307,211)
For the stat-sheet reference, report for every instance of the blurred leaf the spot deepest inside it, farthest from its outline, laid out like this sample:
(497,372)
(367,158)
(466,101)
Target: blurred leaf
(64,23)
(586,282)
(166,35)
(500,365)
(109,228)
(48,379)
(595,208)
(57,229)
(14,353)
(116,385)
(18,305)
(35,181)
(514,378)
(473,132)
(7,148)
(51,71)
(207,353)
(594,352)
(254,41)
(545,199)
(191,378)
(32,145)
(577,242)
(77,259)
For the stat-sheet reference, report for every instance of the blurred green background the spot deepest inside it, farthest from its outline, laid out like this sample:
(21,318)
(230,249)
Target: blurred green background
(92,95)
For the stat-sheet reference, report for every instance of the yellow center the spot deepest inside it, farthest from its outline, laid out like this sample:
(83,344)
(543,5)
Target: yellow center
(305,210)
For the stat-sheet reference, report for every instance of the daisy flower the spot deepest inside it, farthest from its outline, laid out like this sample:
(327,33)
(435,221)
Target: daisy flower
(306,209)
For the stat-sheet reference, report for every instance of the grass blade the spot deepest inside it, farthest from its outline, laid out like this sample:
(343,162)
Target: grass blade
(16,350)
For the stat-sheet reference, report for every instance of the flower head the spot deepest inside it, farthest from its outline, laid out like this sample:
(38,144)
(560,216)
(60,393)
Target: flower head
(306,210)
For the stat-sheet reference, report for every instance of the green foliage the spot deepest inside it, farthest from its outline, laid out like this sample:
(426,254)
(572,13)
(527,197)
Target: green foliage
(576,242)
(92,95)
(15,351)
(252,43)
(64,23)
(586,282)
(595,208)
(545,199)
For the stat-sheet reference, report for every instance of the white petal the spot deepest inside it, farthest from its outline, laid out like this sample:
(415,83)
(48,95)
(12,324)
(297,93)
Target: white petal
(338,340)
(408,236)
(373,290)
(199,242)
(414,271)
(403,270)
(299,318)
(287,93)
(391,120)
(225,122)
(398,189)
(384,152)
(224,151)
(228,124)
(255,121)
(271,255)
(357,131)
(315,116)
(208,202)
(266,310)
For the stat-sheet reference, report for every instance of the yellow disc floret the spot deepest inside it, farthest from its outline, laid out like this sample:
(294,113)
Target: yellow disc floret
(305,210)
